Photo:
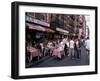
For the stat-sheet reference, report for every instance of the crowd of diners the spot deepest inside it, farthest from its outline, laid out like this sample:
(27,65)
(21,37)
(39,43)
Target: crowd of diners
(67,46)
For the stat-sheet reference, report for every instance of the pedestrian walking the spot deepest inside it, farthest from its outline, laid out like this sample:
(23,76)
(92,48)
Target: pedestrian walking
(66,49)
(87,45)
(66,45)
(71,48)
(77,49)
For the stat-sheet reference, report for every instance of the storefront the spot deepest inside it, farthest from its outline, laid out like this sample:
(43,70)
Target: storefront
(39,33)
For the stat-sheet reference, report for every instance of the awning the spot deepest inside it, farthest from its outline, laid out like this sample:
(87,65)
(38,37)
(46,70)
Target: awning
(40,28)
(36,27)
(49,30)
(62,30)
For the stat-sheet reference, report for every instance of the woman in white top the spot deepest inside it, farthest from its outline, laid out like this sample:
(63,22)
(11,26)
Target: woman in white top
(71,48)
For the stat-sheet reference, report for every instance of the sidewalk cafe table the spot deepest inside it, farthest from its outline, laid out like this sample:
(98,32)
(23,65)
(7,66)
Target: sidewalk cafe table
(33,53)
(58,52)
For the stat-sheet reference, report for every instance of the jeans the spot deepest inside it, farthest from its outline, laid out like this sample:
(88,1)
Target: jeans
(78,53)
(71,52)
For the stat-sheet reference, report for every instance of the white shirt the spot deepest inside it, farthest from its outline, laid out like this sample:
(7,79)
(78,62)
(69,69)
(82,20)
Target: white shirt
(87,44)
(64,40)
(41,44)
(61,45)
(71,44)
(67,43)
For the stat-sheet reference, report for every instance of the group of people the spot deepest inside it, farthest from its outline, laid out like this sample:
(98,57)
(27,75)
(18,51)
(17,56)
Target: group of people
(70,47)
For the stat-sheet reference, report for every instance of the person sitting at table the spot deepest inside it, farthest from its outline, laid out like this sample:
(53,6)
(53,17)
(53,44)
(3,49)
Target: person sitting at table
(49,44)
(50,47)
(28,48)
(29,45)
(45,50)
(54,43)
(59,51)
(39,47)
(42,46)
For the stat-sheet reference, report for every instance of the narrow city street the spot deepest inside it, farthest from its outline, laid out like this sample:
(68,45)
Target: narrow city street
(49,61)
(48,35)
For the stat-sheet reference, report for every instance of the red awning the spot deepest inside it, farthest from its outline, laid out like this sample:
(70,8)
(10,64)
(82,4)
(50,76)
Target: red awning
(49,30)
(40,28)
(36,27)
